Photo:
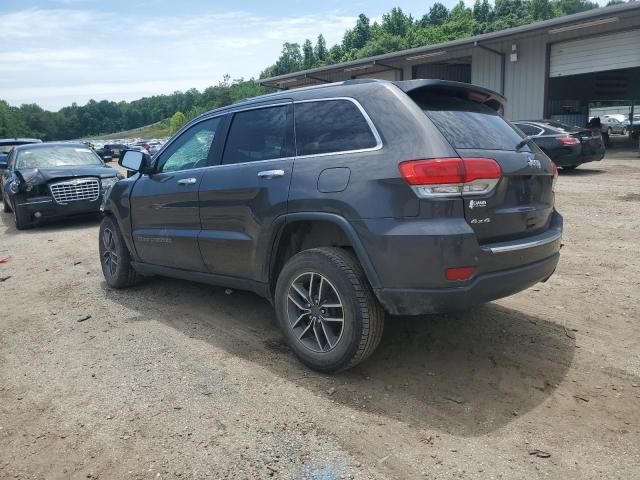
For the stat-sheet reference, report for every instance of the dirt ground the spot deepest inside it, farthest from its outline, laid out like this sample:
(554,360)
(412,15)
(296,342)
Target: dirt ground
(179,380)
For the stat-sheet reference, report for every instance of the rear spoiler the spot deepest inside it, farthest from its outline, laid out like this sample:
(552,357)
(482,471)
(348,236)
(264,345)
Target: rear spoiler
(478,94)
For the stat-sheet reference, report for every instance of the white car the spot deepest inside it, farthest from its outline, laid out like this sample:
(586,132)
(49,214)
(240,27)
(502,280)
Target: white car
(612,125)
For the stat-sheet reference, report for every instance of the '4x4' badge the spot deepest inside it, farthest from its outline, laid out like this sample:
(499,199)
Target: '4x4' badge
(533,162)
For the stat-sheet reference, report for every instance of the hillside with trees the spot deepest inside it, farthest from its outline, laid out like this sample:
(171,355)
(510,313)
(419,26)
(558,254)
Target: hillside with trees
(396,31)
(104,116)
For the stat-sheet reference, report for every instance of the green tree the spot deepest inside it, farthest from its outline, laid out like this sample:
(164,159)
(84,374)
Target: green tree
(570,7)
(482,11)
(320,50)
(308,58)
(540,9)
(438,14)
(290,60)
(177,122)
(396,22)
(361,32)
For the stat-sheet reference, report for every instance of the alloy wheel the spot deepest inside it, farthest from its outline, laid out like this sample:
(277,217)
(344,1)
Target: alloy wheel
(109,255)
(315,312)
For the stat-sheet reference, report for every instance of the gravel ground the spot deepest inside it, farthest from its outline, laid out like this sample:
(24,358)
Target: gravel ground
(178,380)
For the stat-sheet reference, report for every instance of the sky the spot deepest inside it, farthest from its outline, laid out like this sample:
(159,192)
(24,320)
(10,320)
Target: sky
(57,52)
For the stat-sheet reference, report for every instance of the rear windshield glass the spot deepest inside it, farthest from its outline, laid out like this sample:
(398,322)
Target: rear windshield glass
(467,124)
(560,125)
(52,157)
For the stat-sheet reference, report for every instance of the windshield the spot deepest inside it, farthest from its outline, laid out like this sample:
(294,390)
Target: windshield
(467,124)
(54,157)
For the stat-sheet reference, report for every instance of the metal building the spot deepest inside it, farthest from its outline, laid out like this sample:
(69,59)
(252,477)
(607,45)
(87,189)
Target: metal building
(553,68)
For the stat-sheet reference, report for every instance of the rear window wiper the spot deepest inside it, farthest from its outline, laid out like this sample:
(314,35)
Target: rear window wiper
(524,141)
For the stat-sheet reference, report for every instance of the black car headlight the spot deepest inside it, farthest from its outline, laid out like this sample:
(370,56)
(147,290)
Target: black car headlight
(107,183)
(14,187)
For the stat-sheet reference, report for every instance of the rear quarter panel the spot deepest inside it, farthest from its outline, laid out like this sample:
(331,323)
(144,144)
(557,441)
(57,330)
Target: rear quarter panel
(375,188)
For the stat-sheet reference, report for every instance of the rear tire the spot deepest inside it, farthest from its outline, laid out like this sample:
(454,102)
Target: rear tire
(570,167)
(114,256)
(326,309)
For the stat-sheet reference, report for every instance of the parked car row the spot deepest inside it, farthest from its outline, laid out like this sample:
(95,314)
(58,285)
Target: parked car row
(323,202)
(112,151)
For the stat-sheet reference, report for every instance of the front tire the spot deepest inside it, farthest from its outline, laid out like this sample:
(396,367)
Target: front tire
(114,256)
(570,167)
(326,309)
(5,205)
(21,218)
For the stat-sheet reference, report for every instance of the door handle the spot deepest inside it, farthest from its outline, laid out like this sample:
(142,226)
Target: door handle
(268,174)
(187,181)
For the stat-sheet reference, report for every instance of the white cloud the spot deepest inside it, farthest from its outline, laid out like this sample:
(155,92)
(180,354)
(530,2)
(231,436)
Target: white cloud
(75,55)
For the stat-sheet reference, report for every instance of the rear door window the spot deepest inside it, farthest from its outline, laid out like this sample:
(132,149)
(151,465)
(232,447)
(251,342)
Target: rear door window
(468,124)
(331,126)
(260,134)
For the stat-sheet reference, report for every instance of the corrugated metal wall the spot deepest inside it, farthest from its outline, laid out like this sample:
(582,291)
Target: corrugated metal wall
(524,79)
(485,70)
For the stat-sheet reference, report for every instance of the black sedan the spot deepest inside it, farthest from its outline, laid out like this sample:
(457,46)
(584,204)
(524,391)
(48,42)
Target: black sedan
(110,151)
(52,180)
(567,145)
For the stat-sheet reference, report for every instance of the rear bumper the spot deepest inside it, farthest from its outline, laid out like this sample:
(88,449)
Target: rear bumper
(411,257)
(580,158)
(483,288)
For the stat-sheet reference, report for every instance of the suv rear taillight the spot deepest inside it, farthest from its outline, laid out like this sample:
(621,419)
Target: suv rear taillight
(445,177)
(568,141)
(555,176)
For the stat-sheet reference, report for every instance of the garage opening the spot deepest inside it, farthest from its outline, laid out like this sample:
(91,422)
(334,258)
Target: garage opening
(590,76)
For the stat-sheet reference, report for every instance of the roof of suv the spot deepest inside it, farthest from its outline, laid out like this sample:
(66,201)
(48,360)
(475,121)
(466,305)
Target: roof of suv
(333,90)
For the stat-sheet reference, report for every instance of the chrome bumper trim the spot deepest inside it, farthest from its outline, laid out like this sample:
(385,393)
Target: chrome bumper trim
(512,247)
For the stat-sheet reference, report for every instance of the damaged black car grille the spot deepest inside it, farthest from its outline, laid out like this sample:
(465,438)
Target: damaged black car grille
(74,190)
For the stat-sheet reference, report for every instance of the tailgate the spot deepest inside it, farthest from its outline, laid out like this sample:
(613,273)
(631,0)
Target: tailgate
(521,203)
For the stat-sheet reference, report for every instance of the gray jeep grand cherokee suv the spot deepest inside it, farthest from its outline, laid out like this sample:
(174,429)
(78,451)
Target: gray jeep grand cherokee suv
(340,202)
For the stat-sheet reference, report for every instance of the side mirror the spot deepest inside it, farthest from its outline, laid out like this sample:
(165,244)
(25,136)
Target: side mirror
(135,161)
(3,162)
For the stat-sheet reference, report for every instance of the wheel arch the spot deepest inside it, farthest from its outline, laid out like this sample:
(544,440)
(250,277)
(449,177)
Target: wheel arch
(287,222)
(120,212)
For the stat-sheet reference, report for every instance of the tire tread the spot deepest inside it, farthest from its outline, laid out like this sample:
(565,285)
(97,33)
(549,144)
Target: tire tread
(129,277)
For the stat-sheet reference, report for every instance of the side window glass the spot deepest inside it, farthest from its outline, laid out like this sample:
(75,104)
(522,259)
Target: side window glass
(331,126)
(191,149)
(260,134)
